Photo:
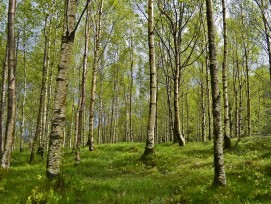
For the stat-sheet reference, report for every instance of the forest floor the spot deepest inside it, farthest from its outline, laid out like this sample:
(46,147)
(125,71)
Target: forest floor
(114,173)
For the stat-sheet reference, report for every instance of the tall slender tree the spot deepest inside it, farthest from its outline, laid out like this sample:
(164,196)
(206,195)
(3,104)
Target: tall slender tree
(38,134)
(10,125)
(219,177)
(227,139)
(83,88)
(96,59)
(2,102)
(149,149)
(59,112)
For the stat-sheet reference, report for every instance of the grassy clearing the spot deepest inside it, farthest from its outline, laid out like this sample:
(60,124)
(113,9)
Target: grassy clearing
(113,173)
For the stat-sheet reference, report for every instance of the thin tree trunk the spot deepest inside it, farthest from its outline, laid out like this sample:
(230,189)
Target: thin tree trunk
(156,114)
(3,102)
(240,108)
(44,119)
(23,103)
(227,139)
(9,136)
(94,76)
(219,177)
(100,120)
(82,100)
(187,117)
(49,102)
(115,135)
(126,117)
(208,101)
(235,85)
(259,114)
(177,75)
(131,90)
(248,93)
(58,122)
(72,128)
(203,108)
(149,148)
(38,137)
(170,118)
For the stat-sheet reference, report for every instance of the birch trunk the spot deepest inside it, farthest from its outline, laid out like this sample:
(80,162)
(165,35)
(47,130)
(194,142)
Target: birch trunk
(219,177)
(3,102)
(227,139)
(58,122)
(203,108)
(177,75)
(83,89)
(248,92)
(38,136)
(9,136)
(131,138)
(94,76)
(208,102)
(149,149)
(23,103)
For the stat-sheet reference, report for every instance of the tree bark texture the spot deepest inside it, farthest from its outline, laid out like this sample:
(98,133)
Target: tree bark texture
(94,76)
(203,107)
(83,89)
(248,93)
(177,124)
(23,103)
(219,177)
(131,137)
(10,125)
(3,102)
(149,149)
(38,135)
(58,122)
(227,139)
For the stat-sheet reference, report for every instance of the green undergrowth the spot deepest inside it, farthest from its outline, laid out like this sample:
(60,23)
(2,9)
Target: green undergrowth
(114,173)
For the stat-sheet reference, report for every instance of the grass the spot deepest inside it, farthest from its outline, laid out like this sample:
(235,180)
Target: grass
(113,173)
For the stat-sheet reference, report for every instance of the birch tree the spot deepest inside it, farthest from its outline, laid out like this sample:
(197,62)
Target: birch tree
(219,177)
(58,122)
(10,125)
(149,149)
(227,138)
